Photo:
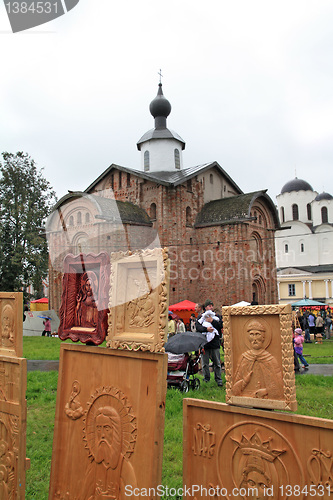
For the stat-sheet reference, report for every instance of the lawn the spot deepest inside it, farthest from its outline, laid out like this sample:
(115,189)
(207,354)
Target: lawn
(314,397)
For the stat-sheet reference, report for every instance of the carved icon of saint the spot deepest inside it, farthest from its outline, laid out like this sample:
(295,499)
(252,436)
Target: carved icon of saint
(110,471)
(7,326)
(258,374)
(86,313)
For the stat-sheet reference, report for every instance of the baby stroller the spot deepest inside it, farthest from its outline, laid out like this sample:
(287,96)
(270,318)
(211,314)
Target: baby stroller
(181,371)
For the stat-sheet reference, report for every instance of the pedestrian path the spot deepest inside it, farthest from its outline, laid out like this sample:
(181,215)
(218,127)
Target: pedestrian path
(46,366)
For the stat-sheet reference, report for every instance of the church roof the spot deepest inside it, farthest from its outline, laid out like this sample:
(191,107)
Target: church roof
(232,210)
(323,196)
(167,178)
(109,209)
(296,185)
(161,133)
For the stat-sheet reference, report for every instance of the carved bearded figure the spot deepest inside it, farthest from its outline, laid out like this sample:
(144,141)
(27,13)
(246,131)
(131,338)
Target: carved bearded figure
(258,374)
(110,471)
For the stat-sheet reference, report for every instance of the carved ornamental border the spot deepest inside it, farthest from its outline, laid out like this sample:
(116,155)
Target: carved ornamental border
(139,324)
(288,402)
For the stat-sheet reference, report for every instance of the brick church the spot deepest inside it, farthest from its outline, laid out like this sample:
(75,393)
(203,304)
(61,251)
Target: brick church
(220,240)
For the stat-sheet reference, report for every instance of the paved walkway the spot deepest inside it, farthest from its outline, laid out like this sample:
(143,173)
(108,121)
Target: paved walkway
(45,366)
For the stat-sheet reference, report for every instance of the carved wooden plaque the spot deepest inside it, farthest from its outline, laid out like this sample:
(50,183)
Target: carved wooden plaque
(259,359)
(109,424)
(84,301)
(13,418)
(232,452)
(139,300)
(11,323)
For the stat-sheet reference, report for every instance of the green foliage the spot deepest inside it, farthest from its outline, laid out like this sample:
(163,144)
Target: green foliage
(26,198)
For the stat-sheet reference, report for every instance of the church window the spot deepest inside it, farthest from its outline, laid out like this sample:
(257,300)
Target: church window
(128,180)
(112,181)
(286,248)
(119,180)
(188,216)
(308,209)
(79,218)
(71,221)
(255,216)
(211,178)
(282,214)
(255,247)
(324,215)
(260,219)
(302,247)
(146,162)
(87,217)
(177,158)
(291,290)
(152,211)
(189,185)
(295,211)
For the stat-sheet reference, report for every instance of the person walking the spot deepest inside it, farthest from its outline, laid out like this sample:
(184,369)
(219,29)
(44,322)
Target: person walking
(211,350)
(298,343)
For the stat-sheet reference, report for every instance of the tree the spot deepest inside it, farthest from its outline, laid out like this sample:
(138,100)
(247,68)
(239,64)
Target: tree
(26,199)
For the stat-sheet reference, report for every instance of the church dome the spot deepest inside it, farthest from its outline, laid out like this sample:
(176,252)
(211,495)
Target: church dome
(323,196)
(296,185)
(160,106)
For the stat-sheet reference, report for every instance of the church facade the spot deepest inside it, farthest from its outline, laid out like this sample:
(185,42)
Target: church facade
(304,245)
(220,239)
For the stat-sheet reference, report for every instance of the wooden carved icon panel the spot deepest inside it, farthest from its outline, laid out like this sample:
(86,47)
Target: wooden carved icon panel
(11,323)
(138,300)
(84,301)
(13,417)
(109,423)
(259,362)
(232,452)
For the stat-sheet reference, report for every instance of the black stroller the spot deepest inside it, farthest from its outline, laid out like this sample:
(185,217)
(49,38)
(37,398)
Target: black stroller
(182,369)
(182,366)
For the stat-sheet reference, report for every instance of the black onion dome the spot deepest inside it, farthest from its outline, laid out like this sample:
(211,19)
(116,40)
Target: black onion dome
(160,106)
(296,185)
(323,196)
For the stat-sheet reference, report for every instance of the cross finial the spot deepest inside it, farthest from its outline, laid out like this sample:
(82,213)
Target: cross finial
(160,73)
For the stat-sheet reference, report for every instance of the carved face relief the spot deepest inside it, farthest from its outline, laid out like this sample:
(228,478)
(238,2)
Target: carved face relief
(7,324)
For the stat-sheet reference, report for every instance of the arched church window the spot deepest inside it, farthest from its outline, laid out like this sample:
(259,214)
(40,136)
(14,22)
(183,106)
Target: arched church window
(119,182)
(177,158)
(295,211)
(79,218)
(71,221)
(282,214)
(211,178)
(309,212)
(87,218)
(146,164)
(255,247)
(152,211)
(128,179)
(286,249)
(324,215)
(302,247)
(188,216)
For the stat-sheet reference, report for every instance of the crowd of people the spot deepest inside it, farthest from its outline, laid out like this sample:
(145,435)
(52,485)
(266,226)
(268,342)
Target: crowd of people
(311,323)
(208,321)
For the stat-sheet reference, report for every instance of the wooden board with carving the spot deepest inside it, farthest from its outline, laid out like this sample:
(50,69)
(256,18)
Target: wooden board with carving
(109,424)
(138,300)
(11,322)
(259,359)
(13,421)
(84,301)
(232,452)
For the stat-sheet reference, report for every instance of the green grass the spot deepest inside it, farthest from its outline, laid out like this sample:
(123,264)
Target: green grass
(314,397)
(319,353)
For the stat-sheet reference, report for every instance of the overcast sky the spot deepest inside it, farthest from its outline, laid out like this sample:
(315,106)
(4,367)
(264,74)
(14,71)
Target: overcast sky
(250,84)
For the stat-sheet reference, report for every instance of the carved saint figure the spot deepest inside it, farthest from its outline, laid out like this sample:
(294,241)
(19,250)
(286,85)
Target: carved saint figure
(110,471)
(7,326)
(86,313)
(141,309)
(258,374)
